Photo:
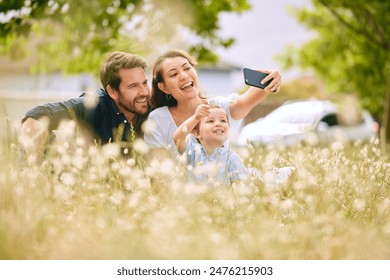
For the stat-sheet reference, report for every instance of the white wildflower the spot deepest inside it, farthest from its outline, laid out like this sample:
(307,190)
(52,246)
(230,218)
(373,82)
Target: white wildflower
(128,186)
(116,166)
(287,204)
(66,129)
(31,160)
(67,179)
(176,186)
(192,188)
(337,146)
(133,200)
(111,150)
(148,126)
(188,138)
(137,174)
(244,153)
(79,161)
(182,158)
(144,183)
(117,197)
(150,171)
(141,147)
(125,171)
(198,149)
(244,189)
(80,141)
(91,100)
(62,192)
(80,151)
(130,162)
(167,166)
(62,149)
(359,204)
(93,152)
(311,139)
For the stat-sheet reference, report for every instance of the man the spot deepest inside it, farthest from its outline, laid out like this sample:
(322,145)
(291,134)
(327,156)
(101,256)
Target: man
(121,105)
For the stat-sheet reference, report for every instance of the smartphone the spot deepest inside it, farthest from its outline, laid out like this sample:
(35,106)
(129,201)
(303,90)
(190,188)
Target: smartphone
(253,78)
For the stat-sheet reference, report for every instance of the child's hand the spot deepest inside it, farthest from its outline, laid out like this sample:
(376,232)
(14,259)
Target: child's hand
(202,111)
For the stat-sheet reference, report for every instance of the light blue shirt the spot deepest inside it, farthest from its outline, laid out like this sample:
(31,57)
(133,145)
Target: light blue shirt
(222,166)
(161,126)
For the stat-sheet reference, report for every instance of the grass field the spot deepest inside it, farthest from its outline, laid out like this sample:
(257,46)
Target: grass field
(106,203)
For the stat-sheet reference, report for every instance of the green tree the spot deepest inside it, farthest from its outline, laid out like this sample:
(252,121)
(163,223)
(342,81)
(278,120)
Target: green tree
(72,35)
(350,50)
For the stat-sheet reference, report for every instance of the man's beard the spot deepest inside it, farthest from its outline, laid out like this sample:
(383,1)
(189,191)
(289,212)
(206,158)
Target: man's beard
(133,109)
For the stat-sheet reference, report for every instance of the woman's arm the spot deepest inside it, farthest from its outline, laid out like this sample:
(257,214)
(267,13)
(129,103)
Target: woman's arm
(253,96)
(181,133)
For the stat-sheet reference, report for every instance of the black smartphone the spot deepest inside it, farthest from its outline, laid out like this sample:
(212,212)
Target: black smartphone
(253,78)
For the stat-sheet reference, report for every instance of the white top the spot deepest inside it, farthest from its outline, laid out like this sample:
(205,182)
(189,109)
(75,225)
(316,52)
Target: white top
(161,126)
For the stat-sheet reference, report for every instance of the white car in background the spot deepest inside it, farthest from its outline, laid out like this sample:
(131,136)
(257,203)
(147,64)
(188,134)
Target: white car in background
(308,121)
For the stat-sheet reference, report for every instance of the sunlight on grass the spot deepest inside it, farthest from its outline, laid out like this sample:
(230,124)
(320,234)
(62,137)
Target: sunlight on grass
(87,202)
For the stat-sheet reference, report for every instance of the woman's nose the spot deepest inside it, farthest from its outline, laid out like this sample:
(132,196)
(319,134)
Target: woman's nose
(183,75)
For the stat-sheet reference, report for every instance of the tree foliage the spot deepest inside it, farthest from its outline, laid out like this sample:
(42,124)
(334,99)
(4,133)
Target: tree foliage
(72,35)
(350,50)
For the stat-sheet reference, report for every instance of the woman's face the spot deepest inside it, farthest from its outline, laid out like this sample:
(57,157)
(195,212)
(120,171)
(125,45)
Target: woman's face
(179,79)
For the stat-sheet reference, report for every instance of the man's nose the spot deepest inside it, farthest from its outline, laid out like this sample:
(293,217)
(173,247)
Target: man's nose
(145,90)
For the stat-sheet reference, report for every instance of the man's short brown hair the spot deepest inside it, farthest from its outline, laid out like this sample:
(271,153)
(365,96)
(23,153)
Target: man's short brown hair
(115,61)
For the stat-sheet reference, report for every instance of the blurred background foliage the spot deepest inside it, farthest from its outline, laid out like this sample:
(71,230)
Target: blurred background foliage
(71,35)
(350,51)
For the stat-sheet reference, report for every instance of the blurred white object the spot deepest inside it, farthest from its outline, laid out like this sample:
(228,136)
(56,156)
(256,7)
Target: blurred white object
(308,121)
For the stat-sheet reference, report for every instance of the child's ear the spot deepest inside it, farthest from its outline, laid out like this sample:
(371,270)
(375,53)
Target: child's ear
(196,133)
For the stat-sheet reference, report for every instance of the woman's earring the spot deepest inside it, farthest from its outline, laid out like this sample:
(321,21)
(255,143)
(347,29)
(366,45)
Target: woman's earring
(168,96)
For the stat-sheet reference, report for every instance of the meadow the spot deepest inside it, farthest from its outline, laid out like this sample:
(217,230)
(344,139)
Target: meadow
(90,202)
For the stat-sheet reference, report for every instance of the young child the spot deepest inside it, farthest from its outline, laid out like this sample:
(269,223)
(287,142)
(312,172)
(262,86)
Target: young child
(203,140)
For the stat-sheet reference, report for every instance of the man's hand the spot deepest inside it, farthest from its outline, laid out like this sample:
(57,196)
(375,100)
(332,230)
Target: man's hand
(33,137)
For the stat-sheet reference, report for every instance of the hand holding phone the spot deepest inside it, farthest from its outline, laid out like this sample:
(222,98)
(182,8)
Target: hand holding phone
(254,78)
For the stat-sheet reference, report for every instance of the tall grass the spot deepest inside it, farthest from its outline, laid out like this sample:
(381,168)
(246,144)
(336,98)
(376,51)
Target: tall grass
(88,202)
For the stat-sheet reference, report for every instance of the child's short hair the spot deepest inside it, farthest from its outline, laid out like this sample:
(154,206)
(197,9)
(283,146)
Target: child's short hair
(212,107)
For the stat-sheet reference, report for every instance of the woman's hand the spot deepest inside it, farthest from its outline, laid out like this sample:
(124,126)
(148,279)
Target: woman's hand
(254,95)
(274,86)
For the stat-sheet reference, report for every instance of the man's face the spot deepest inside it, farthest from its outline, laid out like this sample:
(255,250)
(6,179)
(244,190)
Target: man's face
(134,92)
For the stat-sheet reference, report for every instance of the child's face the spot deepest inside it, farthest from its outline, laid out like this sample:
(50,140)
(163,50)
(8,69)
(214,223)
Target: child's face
(214,129)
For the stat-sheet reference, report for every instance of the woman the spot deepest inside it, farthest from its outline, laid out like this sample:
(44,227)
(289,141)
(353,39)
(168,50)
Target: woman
(176,93)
